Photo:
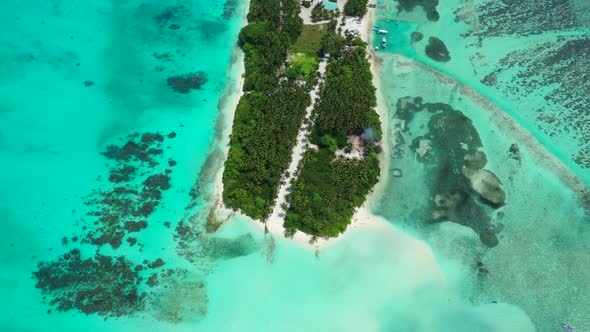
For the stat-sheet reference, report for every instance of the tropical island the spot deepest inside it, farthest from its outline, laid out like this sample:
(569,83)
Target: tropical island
(305,142)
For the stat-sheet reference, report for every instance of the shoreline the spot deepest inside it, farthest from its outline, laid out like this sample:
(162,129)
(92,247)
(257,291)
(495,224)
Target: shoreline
(224,127)
(384,158)
(363,217)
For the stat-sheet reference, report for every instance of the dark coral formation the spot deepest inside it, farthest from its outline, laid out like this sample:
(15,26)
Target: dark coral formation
(126,208)
(497,18)
(229,8)
(135,226)
(155,264)
(110,286)
(551,74)
(514,152)
(416,36)
(157,182)
(460,187)
(171,14)
(428,5)
(143,151)
(437,50)
(563,66)
(102,285)
(123,174)
(187,82)
(185,236)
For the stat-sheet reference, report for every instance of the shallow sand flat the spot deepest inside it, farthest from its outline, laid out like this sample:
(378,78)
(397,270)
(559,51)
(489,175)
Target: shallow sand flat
(370,278)
(544,220)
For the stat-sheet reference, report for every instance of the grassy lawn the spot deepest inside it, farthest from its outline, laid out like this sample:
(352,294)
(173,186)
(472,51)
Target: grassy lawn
(310,38)
(302,65)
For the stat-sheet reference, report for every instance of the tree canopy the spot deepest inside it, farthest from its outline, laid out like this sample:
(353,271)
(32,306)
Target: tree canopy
(329,188)
(269,113)
(355,8)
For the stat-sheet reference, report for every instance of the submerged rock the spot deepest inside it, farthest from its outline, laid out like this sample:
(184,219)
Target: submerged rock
(475,159)
(489,238)
(429,7)
(487,185)
(446,206)
(437,50)
(424,147)
(490,79)
(416,36)
(450,149)
(186,83)
(514,152)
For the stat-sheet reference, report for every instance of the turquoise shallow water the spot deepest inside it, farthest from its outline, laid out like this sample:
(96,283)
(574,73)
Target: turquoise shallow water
(54,127)
(77,78)
(479,46)
(544,219)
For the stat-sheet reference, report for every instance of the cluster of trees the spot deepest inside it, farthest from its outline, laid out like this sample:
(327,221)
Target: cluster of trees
(303,66)
(267,11)
(319,13)
(269,113)
(347,102)
(266,47)
(329,188)
(356,8)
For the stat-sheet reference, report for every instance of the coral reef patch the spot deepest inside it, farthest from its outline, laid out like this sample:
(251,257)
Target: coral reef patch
(126,207)
(102,285)
(113,286)
(543,76)
(461,189)
(437,50)
(187,82)
(429,7)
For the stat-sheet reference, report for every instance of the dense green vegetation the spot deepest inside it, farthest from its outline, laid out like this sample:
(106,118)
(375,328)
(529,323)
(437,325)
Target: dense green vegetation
(348,96)
(329,188)
(269,113)
(302,66)
(355,8)
(320,13)
(268,116)
(264,45)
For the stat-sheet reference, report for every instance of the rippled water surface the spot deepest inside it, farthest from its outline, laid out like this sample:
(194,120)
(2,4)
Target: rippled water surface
(111,114)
